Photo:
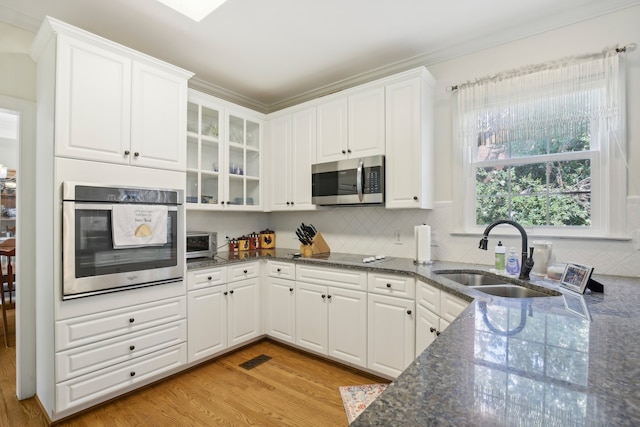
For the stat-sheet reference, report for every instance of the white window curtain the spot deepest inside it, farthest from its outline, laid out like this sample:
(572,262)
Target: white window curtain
(552,100)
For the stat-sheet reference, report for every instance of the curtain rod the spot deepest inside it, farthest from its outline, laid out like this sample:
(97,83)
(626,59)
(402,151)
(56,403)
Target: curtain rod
(627,48)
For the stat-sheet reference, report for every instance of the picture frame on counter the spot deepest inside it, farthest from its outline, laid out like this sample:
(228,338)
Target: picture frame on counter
(576,277)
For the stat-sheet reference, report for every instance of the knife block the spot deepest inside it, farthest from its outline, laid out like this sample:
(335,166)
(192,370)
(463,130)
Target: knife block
(318,246)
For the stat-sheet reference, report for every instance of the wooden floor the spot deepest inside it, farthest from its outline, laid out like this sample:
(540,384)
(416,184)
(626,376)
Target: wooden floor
(291,389)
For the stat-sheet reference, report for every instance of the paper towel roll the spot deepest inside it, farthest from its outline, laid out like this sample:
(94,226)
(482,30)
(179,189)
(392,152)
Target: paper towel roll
(422,238)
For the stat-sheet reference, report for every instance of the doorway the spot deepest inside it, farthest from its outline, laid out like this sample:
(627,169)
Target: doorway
(17,135)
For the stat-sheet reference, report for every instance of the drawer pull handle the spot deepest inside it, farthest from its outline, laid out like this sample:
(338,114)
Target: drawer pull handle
(132,347)
(245,271)
(209,278)
(131,320)
(132,373)
(408,311)
(432,329)
(388,285)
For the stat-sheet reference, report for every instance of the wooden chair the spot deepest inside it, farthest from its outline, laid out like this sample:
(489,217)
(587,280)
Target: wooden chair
(8,252)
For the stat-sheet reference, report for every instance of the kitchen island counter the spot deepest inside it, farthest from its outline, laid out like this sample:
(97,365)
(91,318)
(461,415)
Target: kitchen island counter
(568,360)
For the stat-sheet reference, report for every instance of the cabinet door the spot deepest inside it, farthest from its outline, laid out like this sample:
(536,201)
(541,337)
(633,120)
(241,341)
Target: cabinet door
(281,162)
(427,325)
(366,123)
(159,117)
(207,322)
(391,334)
(409,141)
(311,317)
(451,307)
(303,149)
(280,306)
(348,325)
(332,131)
(244,310)
(93,102)
(244,157)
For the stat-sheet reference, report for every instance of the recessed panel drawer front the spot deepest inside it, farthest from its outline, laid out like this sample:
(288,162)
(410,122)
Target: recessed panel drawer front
(245,270)
(84,330)
(82,360)
(198,279)
(398,286)
(282,270)
(109,382)
(350,279)
(429,297)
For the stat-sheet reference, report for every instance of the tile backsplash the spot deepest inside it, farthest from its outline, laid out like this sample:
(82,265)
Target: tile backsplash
(373,231)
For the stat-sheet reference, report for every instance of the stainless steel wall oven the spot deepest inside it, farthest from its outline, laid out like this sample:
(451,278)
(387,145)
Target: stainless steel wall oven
(93,264)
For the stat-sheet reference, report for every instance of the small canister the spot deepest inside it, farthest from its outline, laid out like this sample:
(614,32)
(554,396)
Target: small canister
(233,245)
(243,243)
(254,241)
(267,239)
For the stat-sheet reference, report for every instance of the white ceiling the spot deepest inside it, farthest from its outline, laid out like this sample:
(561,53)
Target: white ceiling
(268,54)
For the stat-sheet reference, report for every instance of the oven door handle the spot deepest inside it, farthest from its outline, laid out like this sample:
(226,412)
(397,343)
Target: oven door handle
(360,180)
(104,206)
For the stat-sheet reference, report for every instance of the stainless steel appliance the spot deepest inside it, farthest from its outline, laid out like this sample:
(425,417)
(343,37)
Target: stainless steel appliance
(201,244)
(348,182)
(91,265)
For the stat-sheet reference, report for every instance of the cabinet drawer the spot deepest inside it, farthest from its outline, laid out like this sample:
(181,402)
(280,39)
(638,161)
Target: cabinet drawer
(245,270)
(203,278)
(82,360)
(428,296)
(282,270)
(352,279)
(109,382)
(84,330)
(398,286)
(451,307)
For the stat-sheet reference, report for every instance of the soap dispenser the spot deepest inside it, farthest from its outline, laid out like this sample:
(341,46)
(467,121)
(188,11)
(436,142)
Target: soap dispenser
(500,258)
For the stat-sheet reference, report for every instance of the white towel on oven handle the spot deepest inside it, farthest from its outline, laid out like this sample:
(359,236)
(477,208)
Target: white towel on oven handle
(138,225)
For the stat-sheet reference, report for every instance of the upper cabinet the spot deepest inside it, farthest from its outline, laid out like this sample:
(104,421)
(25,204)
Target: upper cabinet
(113,104)
(409,141)
(224,155)
(293,140)
(351,126)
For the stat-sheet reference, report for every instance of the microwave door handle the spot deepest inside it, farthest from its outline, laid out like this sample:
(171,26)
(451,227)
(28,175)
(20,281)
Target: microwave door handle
(359,180)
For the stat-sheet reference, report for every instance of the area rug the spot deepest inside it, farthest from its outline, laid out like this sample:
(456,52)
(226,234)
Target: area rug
(356,398)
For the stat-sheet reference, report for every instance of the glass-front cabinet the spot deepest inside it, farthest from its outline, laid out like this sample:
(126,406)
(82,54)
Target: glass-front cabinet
(224,164)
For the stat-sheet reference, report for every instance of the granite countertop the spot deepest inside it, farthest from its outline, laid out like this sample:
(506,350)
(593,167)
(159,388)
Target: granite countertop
(507,361)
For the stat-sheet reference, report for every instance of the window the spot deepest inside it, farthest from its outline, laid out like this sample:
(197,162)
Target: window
(544,146)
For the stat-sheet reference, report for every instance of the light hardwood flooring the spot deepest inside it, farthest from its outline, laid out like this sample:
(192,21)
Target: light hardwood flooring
(291,389)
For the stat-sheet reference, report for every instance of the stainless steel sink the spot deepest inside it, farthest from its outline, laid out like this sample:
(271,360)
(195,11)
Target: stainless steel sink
(510,291)
(473,279)
(495,285)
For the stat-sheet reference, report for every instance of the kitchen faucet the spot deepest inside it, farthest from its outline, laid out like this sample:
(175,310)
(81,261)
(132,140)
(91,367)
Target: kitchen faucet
(527,259)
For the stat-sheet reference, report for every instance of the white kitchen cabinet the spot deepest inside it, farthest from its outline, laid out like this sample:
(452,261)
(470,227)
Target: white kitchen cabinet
(409,141)
(222,315)
(332,321)
(436,310)
(116,105)
(280,301)
(292,139)
(224,155)
(392,285)
(351,126)
(391,336)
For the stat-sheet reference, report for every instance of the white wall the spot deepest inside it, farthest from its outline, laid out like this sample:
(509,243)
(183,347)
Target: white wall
(17,70)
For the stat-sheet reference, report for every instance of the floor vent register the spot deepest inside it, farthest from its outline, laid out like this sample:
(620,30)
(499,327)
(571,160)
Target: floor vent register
(258,360)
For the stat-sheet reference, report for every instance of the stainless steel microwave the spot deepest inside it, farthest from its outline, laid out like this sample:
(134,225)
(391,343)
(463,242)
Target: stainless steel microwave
(356,181)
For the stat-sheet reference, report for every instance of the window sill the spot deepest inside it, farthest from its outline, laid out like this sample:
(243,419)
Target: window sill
(539,235)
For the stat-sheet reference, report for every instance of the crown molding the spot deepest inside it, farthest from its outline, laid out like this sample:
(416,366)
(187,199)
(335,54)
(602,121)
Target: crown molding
(228,95)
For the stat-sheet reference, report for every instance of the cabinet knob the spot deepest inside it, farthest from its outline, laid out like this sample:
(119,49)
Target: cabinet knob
(415,198)
(408,311)
(349,150)
(132,373)
(329,296)
(136,154)
(438,333)
(127,152)
(231,291)
(344,152)
(323,296)
(228,202)
(290,289)
(225,293)
(288,203)
(278,270)
(432,329)
(292,203)
(245,271)
(209,278)
(131,320)
(388,285)
(132,347)
(222,202)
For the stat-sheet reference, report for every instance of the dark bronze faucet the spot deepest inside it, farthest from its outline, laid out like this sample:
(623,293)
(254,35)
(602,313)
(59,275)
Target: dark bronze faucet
(526,263)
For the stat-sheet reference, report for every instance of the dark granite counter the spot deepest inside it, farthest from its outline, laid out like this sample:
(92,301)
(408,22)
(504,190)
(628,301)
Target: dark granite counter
(507,361)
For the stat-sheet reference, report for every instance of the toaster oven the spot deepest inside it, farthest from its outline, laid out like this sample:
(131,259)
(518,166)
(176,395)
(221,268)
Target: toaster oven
(201,244)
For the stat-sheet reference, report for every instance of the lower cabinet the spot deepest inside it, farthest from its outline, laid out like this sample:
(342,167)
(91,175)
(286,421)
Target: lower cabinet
(280,309)
(332,321)
(391,336)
